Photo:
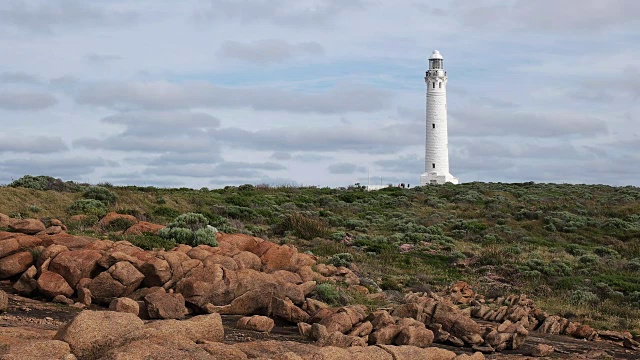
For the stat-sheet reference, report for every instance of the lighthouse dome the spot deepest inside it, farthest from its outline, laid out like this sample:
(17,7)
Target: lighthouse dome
(435,55)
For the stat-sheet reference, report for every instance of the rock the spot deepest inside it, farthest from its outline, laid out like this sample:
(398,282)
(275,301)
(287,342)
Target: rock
(225,261)
(92,332)
(286,310)
(385,335)
(199,328)
(631,344)
(113,216)
(156,272)
(144,227)
(161,305)
(149,344)
(312,306)
(112,258)
(542,350)
(125,305)
(75,265)
(485,349)
(412,352)
(53,284)
(338,321)
(27,226)
(39,350)
(61,299)
(410,310)
(84,296)
(27,283)
(362,329)
(4,301)
(224,351)
(456,323)
(415,336)
(247,260)
(612,335)
(8,246)
(256,323)
(380,319)
(284,258)
(119,280)
(15,264)
(305,329)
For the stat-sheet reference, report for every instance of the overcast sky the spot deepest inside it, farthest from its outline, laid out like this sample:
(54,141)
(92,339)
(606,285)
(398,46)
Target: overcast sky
(317,92)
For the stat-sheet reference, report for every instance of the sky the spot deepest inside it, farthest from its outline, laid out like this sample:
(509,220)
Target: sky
(210,93)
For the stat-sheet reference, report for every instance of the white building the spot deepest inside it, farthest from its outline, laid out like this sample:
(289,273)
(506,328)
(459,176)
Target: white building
(436,162)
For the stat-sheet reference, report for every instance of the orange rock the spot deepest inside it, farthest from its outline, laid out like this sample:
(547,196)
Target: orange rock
(113,216)
(143,227)
(27,226)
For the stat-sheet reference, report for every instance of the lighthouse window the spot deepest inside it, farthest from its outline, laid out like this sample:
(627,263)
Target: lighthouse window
(440,85)
(433,165)
(433,125)
(434,85)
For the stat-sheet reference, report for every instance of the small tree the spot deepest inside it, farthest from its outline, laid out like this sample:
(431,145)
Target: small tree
(191,229)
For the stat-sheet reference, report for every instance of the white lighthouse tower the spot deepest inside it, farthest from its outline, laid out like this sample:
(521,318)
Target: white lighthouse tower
(436,162)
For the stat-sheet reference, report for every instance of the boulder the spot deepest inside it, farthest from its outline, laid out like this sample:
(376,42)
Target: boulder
(247,260)
(53,284)
(461,293)
(143,227)
(113,216)
(61,299)
(415,336)
(84,296)
(9,246)
(256,323)
(15,264)
(542,350)
(111,258)
(91,333)
(156,272)
(27,283)
(286,310)
(27,226)
(125,305)
(39,350)
(5,220)
(284,258)
(161,305)
(49,253)
(385,335)
(119,280)
(201,328)
(75,265)
(312,306)
(362,329)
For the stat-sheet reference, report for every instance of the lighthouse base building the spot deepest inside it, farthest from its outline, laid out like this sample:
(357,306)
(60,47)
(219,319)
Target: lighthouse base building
(436,157)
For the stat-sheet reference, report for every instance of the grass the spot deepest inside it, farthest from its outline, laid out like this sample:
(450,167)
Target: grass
(560,237)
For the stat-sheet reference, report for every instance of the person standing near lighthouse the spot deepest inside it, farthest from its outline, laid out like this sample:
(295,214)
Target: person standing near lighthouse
(437,144)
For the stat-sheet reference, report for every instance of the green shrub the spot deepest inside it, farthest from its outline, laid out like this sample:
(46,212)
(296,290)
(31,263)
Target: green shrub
(34,209)
(191,221)
(605,252)
(42,182)
(119,224)
(101,194)
(589,259)
(342,259)
(583,297)
(206,236)
(302,226)
(165,212)
(328,293)
(88,207)
(191,229)
(82,225)
(150,242)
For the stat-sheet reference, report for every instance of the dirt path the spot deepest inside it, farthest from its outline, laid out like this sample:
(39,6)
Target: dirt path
(32,319)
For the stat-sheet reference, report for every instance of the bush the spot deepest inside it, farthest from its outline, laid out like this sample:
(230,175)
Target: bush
(101,194)
(191,229)
(119,224)
(42,182)
(302,226)
(342,259)
(583,297)
(88,207)
(328,293)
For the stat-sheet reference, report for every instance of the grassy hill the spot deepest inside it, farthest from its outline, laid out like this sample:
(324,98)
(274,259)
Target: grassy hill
(575,249)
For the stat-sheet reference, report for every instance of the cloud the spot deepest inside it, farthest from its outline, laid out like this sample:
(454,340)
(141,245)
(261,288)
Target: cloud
(346,168)
(484,121)
(285,13)
(372,139)
(25,100)
(281,155)
(63,167)
(102,59)
(18,77)
(164,96)
(222,170)
(268,51)
(404,164)
(45,15)
(179,132)
(550,15)
(32,144)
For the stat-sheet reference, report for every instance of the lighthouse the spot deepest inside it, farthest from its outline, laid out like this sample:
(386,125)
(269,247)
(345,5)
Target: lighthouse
(436,162)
